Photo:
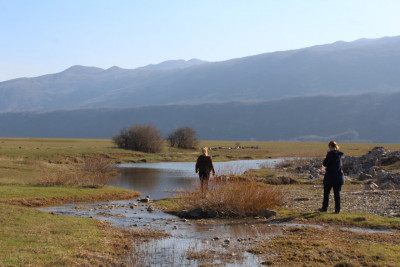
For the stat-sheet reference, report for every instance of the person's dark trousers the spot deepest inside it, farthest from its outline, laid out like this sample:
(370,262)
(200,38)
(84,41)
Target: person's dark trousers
(204,177)
(336,194)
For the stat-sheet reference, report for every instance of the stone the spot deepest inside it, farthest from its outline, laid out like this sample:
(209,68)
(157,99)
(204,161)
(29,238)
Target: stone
(198,213)
(144,200)
(371,186)
(364,176)
(269,213)
(150,209)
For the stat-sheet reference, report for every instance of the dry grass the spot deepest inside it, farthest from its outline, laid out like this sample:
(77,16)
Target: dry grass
(98,164)
(233,198)
(96,171)
(326,247)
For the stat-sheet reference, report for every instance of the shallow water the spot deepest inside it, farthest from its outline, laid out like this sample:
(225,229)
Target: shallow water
(188,237)
(164,179)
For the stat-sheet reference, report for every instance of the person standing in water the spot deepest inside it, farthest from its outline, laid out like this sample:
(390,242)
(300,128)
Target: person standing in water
(334,177)
(204,166)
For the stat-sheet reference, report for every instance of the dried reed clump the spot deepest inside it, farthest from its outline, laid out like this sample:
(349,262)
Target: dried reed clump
(233,198)
(95,171)
(98,165)
(57,177)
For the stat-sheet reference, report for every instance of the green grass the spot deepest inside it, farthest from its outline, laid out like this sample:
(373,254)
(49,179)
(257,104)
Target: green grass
(329,247)
(45,196)
(35,238)
(357,219)
(31,237)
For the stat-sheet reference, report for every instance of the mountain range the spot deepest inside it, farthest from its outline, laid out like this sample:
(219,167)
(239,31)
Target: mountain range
(362,66)
(357,118)
(347,91)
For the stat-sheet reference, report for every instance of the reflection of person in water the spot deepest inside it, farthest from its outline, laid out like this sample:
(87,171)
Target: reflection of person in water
(334,177)
(204,166)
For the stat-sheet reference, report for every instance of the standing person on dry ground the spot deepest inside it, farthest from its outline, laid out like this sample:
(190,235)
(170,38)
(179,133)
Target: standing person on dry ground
(334,177)
(204,166)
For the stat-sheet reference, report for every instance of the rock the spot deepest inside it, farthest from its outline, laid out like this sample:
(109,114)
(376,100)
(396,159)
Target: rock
(227,241)
(144,200)
(371,186)
(81,208)
(216,238)
(266,263)
(269,213)
(198,213)
(363,176)
(150,209)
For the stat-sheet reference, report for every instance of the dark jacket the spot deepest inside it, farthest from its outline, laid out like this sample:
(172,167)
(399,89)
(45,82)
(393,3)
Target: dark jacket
(334,173)
(204,164)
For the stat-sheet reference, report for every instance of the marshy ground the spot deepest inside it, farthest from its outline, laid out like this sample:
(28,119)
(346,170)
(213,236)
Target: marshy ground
(48,172)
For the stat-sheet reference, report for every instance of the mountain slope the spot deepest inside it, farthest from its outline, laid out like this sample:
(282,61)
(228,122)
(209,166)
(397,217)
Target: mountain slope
(369,117)
(339,68)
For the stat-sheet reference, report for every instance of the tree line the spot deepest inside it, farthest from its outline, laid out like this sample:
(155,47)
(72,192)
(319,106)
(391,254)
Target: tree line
(147,138)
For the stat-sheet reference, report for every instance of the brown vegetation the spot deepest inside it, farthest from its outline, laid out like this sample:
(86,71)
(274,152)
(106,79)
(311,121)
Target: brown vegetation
(233,198)
(324,247)
(140,137)
(184,137)
(95,171)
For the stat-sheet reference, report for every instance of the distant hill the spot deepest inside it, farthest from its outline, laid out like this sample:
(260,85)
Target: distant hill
(367,118)
(362,66)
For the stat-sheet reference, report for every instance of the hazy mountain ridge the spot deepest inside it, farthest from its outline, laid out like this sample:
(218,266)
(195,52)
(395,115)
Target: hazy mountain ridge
(340,68)
(368,117)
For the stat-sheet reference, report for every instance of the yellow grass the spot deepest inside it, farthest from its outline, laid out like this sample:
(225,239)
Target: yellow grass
(233,199)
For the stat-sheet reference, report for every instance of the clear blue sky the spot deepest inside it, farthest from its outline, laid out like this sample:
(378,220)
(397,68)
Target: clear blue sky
(48,36)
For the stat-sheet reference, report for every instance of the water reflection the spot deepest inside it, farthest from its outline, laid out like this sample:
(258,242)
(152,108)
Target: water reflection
(164,179)
(158,183)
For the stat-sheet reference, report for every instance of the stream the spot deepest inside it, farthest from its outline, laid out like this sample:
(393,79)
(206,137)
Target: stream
(190,240)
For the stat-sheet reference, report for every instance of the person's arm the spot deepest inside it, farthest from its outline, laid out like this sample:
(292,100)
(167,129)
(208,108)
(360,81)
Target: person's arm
(212,166)
(197,166)
(326,160)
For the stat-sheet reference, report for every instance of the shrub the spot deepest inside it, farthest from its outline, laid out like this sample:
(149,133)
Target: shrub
(145,138)
(184,137)
(98,165)
(233,198)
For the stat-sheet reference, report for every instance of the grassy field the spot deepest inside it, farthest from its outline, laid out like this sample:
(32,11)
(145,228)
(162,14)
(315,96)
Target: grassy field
(328,247)
(71,150)
(38,172)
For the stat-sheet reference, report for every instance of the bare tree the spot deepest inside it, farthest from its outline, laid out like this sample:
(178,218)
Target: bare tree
(184,137)
(140,137)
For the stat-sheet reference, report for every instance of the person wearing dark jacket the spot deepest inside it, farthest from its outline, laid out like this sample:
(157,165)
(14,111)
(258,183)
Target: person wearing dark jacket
(334,177)
(204,166)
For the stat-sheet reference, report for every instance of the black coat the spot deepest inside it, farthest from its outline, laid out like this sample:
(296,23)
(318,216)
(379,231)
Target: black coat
(334,173)
(204,164)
